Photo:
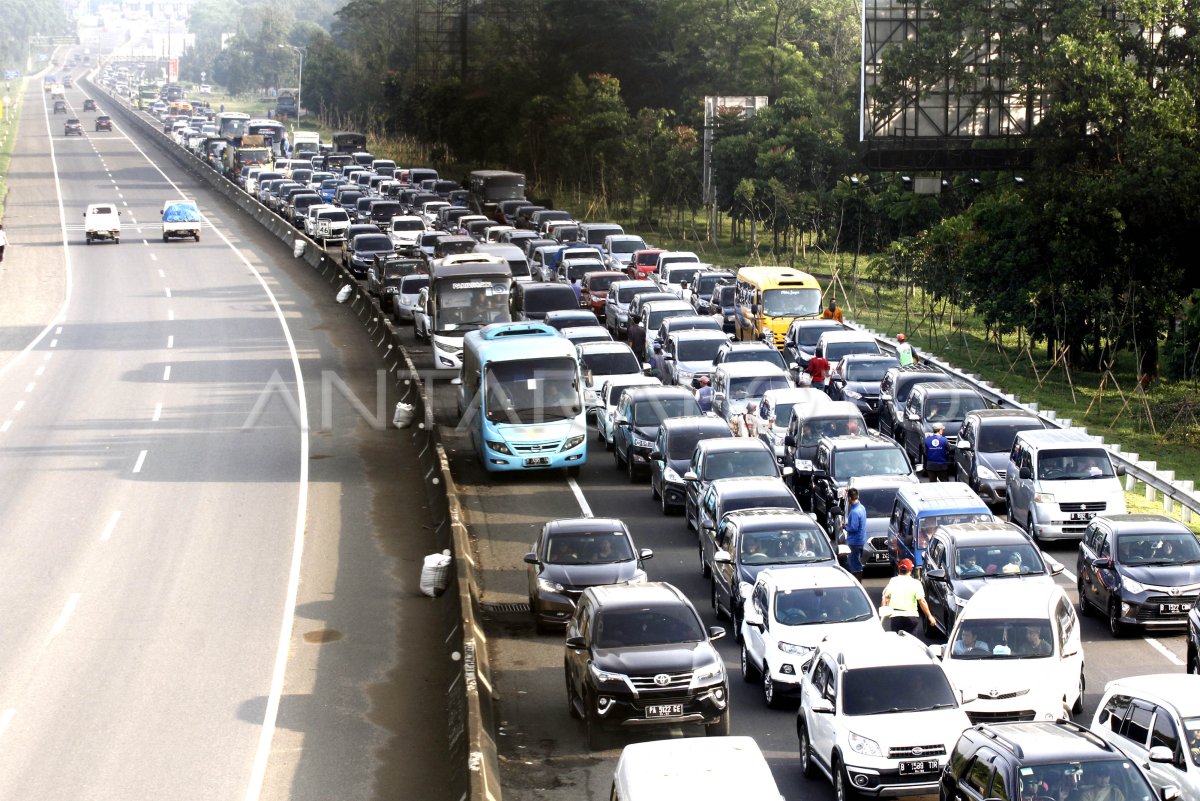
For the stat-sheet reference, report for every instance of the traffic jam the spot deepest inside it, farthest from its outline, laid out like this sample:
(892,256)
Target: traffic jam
(869,545)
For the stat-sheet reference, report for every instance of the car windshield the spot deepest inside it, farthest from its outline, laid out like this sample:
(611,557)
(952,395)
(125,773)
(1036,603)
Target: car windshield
(768,355)
(869,371)
(952,409)
(998,437)
(791,302)
(627,245)
(981,561)
(1074,465)
(1003,639)
(682,442)
(727,295)
(677,275)
(649,413)
(338,215)
(576,270)
(896,689)
(588,548)
(734,464)
(870,462)
(743,389)
(878,501)
(1111,779)
(835,351)
(649,625)
(614,393)
(784,546)
(407,225)
(532,391)
(628,293)
(815,607)
(705,284)
(372,242)
(414,284)
(600,283)
(611,362)
(814,428)
(699,350)
(655,317)
(550,298)
(1173,548)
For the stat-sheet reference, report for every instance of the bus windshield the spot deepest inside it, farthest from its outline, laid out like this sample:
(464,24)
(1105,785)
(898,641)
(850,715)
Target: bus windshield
(467,304)
(791,302)
(532,391)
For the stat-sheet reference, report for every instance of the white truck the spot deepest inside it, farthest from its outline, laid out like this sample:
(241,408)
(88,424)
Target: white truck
(180,220)
(102,221)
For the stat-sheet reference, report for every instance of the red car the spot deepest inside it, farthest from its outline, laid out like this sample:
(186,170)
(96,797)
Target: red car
(594,291)
(104,123)
(641,266)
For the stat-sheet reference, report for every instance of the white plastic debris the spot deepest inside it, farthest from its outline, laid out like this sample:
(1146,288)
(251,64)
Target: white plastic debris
(298,248)
(403,416)
(343,294)
(435,573)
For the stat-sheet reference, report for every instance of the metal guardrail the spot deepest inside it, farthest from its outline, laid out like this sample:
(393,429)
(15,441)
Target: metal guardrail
(1156,482)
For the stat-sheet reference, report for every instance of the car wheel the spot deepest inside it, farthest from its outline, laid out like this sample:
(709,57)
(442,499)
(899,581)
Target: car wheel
(1077,707)
(768,689)
(572,710)
(720,728)
(1085,608)
(1029,529)
(807,766)
(630,469)
(705,572)
(1115,627)
(750,673)
(842,788)
(116,240)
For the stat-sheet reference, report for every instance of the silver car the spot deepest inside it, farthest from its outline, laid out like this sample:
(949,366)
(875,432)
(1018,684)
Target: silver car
(407,296)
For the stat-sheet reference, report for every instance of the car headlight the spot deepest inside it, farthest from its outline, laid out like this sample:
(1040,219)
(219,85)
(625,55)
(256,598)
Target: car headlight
(546,585)
(607,676)
(638,442)
(986,473)
(669,474)
(960,602)
(573,442)
(1131,585)
(498,447)
(796,650)
(1043,497)
(707,675)
(863,745)
(853,394)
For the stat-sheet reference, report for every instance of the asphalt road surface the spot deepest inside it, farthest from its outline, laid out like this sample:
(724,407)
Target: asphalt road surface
(209,592)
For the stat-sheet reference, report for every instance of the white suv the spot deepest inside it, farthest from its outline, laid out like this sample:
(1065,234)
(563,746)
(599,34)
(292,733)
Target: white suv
(878,716)
(786,615)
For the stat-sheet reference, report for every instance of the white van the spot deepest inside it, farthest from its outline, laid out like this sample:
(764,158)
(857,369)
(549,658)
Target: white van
(694,768)
(102,221)
(1058,480)
(1017,648)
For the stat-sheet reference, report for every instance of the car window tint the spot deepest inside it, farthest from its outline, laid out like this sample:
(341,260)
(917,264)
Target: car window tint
(1164,733)
(1137,727)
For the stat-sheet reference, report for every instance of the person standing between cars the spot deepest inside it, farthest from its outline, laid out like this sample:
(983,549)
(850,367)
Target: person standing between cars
(3,242)
(904,352)
(905,596)
(577,288)
(936,457)
(637,337)
(746,423)
(818,368)
(704,394)
(832,312)
(856,532)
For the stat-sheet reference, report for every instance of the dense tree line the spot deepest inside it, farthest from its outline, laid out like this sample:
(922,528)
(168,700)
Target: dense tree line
(23,19)
(604,98)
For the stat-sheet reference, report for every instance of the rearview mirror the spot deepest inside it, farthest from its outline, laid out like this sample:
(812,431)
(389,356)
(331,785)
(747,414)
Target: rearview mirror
(964,445)
(576,643)
(716,632)
(531,559)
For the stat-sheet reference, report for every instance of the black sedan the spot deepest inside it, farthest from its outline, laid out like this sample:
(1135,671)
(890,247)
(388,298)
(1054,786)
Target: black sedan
(857,380)
(89,104)
(573,554)
(362,250)
(1141,570)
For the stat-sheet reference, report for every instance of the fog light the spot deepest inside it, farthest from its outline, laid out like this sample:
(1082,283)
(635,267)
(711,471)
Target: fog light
(719,693)
(1125,610)
(574,458)
(603,704)
(860,779)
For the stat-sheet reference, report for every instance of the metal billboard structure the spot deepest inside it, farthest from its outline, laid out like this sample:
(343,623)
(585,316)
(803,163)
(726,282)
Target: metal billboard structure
(977,122)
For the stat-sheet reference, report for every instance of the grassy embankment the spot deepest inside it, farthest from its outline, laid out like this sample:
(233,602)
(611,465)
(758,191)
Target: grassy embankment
(8,137)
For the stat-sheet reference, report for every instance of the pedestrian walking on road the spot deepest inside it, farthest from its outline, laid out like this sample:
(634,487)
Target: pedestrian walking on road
(833,312)
(818,368)
(704,394)
(3,242)
(937,460)
(637,338)
(856,532)
(905,597)
(904,352)
(746,423)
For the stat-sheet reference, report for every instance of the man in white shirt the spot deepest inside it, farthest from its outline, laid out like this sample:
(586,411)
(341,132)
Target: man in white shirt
(3,242)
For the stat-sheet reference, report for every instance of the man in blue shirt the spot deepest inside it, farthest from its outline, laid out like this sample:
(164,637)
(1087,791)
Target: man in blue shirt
(856,532)
(704,394)
(936,455)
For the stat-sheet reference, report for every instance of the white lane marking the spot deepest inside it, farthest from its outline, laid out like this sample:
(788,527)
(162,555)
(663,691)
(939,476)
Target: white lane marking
(7,424)
(58,330)
(1165,651)
(6,719)
(124,202)
(116,187)
(19,406)
(29,387)
(168,292)
(161,274)
(54,343)
(583,504)
(157,413)
(135,222)
(170,314)
(67,611)
(170,341)
(141,460)
(167,373)
(41,370)
(112,525)
(46,358)
(155,258)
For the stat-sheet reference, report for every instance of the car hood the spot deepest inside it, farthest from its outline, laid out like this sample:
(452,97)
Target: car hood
(680,466)
(906,729)
(812,634)
(671,658)
(696,365)
(1163,575)
(590,575)
(749,573)
(989,678)
(966,588)
(867,389)
(996,462)
(877,526)
(1091,490)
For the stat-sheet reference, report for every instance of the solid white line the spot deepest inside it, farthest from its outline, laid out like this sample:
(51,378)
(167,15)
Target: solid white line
(7,424)
(1165,651)
(112,524)
(167,373)
(583,504)
(6,719)
(168,292)
(141,460)
(171,341)
(157,413)
(67,611)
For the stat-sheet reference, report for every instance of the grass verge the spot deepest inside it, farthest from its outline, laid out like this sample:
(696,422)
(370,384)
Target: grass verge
(8,137)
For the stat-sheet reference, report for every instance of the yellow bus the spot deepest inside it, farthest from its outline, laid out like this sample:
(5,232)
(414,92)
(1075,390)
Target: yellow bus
(768,299)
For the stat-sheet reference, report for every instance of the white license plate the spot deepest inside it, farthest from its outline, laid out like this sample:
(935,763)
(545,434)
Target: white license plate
(1082,515)
(537,461)
(917,766)
(664,710)
(804,464)
(879,557)
(1174,609)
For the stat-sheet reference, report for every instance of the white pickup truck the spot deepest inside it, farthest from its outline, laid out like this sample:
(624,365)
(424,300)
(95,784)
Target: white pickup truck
(180,219)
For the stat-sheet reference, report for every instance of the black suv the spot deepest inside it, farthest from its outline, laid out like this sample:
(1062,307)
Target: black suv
(893,394)
(1059,760)
(73,127)
(984,443)
(804,433)
(638,655)
(945,402)
(839,459)
(672,455)
(639,414)
(856,379)
(800,342)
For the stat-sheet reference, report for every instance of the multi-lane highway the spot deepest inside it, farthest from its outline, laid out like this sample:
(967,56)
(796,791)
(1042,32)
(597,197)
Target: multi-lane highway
(206,594)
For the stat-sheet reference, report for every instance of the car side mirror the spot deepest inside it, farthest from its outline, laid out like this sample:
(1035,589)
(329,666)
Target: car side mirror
(1170,792)
(1103,563)
(1120,470)
(716,632)
(936,574)
(1057,568)
(1025,473)
(531,558)
(722,557)
(645,553)
(913,416)
(964,445)
(576,643)
(691,476)
(655,454)
(620,421)
(754,309)
(822,706)
(718,396)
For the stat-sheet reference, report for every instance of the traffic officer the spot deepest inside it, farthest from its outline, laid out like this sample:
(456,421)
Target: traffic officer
(936,455)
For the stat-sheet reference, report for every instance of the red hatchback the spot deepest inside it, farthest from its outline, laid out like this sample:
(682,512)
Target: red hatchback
(641,265)
(594,292)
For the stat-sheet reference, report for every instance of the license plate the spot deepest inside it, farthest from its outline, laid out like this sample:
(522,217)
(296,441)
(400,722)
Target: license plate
(1174,609)
(879,557)
(918,766)
(804,464)
(537,461)
(664,710)
(1082,515)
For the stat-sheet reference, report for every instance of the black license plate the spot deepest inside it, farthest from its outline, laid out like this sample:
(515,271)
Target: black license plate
(537,461)
(664,710)
(1082,515)
(918,766)
(1174,609)
(879,557)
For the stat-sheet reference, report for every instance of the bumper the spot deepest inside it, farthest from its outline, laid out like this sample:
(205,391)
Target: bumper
(875,555)
(1157,611)
(888,783)
(706,706)
(674,494)
(993,491)
(499,463)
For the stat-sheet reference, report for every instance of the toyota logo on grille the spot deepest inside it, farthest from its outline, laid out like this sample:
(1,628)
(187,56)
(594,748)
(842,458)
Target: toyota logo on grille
(662,679)
(917,751)
(1173,590)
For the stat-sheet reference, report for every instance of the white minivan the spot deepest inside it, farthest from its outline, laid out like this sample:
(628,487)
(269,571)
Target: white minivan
(694,768)
(102,221)
(1058,480)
